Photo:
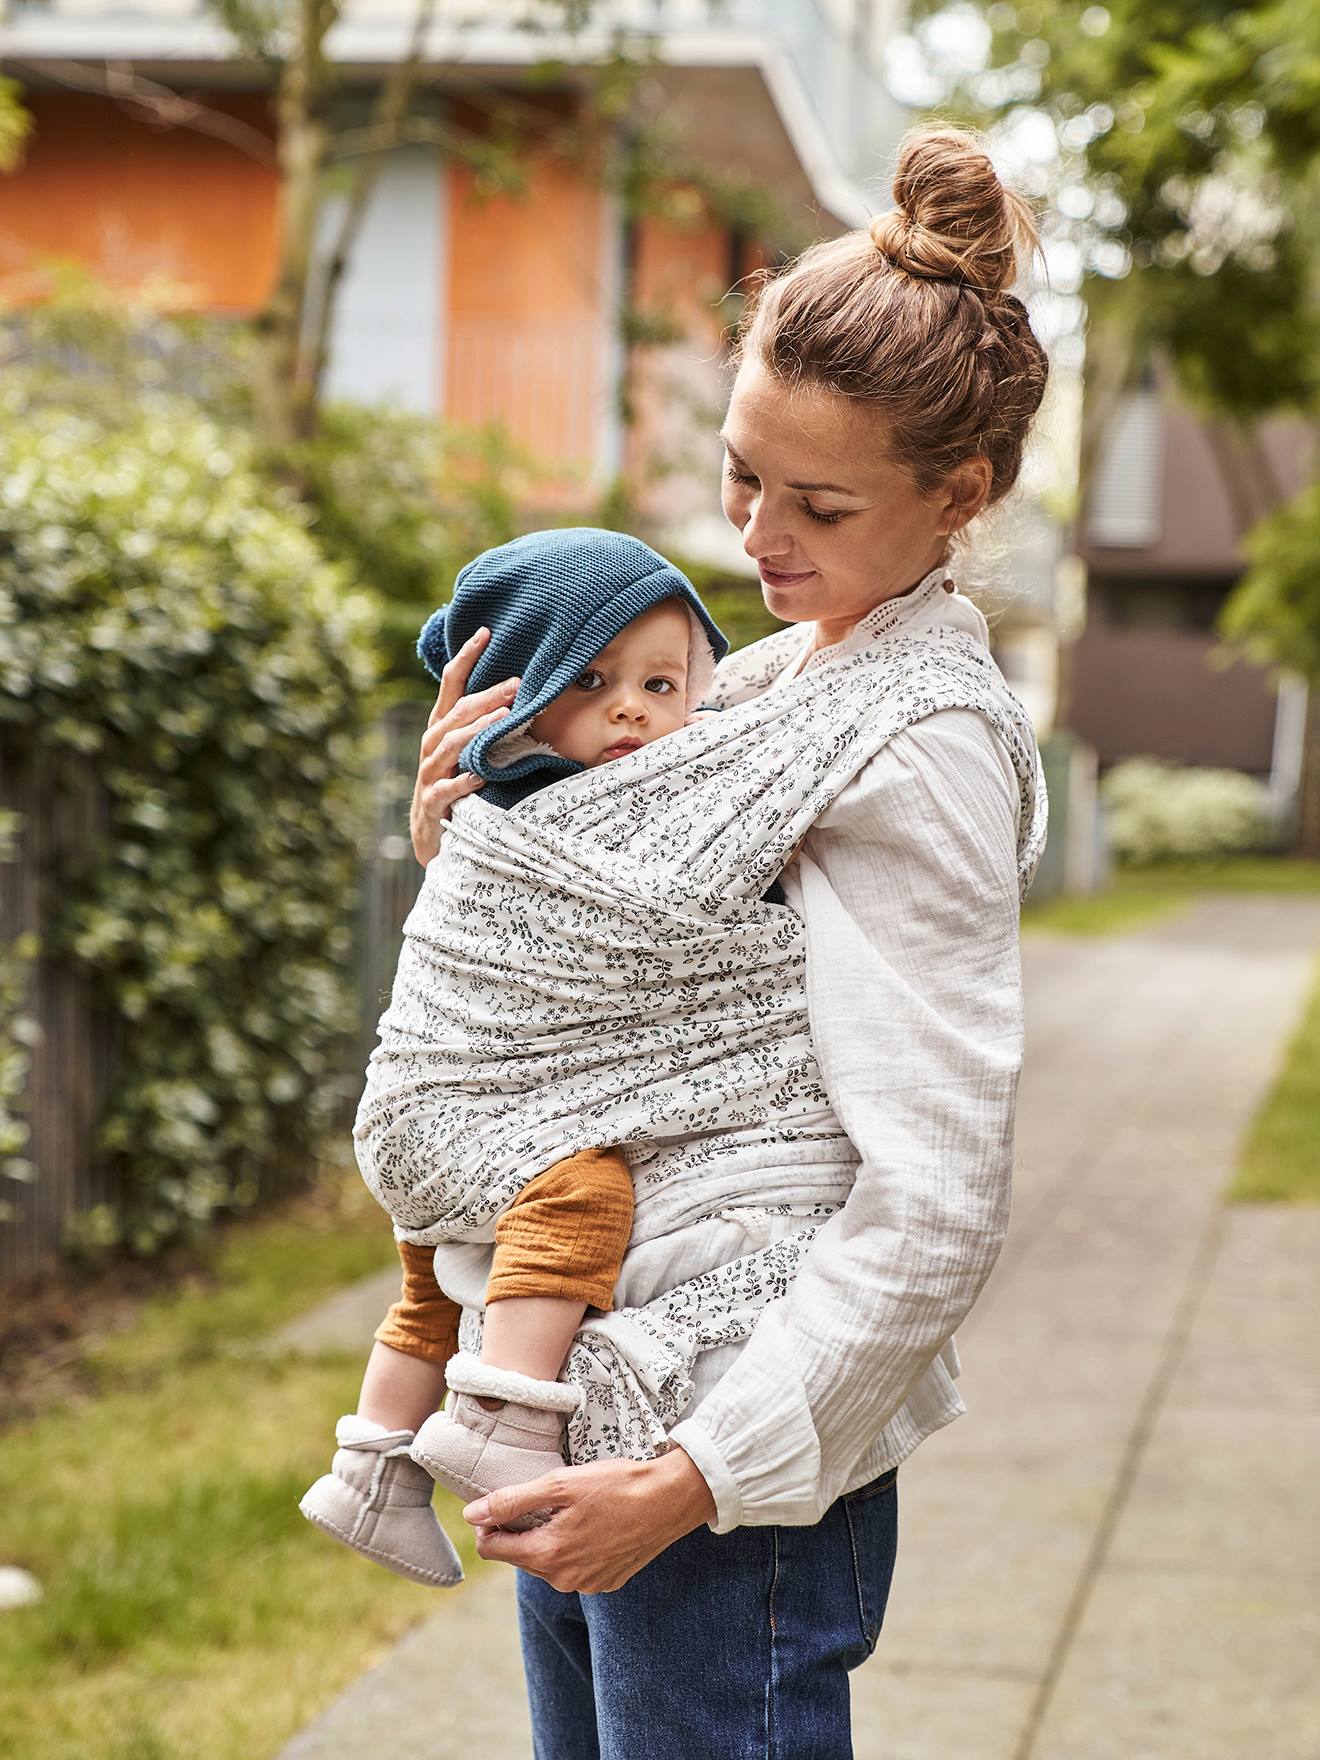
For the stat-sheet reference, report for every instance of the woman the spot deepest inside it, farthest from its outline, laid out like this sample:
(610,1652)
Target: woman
(885,387)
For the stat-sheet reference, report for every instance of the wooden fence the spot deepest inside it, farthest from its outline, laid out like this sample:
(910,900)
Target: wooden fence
(71,1061)
(71,1066)
(391,877)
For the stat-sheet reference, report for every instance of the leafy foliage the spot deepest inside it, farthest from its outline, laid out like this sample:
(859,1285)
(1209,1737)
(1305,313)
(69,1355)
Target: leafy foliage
(1275,611)
(1189,139)
(15,124)
(404,502)
(1157,812)
(171,628)
(18,1031)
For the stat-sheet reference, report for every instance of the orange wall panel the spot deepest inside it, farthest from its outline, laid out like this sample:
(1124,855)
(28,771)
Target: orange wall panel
(132,202)
(529,317)
(681,272)
(682,269)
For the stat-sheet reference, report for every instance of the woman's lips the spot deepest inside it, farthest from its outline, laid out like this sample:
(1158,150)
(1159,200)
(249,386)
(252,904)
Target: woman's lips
(774,577)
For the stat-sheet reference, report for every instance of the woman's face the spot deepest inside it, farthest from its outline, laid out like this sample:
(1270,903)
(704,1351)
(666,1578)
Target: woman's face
(833,526)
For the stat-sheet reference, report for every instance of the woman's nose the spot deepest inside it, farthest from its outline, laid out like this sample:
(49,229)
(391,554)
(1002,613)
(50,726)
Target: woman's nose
(763,536)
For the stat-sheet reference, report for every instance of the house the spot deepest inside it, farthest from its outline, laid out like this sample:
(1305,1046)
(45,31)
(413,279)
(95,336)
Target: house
(477,305)
(1160,539)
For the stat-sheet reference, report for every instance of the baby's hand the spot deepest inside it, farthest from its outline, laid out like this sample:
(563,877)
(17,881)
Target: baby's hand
(700,715)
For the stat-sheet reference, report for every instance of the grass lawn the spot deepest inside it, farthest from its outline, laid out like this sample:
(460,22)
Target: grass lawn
(190,1612)
(1119,908)
(1139,896)
(1281,1156)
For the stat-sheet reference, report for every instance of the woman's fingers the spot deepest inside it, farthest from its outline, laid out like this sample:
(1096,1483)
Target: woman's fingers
(442,760)
(456,672)
(499,1508)
(444,794)
(466,711)
(453,721)
(430,808)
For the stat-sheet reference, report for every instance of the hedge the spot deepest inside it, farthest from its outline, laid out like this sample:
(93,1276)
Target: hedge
(167,621)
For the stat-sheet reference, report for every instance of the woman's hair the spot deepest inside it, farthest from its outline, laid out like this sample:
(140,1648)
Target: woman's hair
(913,315)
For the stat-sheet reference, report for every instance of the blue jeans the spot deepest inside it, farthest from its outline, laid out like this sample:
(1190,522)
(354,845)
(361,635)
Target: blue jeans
(727,1647)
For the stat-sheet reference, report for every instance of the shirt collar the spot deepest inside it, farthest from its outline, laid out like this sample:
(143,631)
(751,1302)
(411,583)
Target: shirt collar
(882,620)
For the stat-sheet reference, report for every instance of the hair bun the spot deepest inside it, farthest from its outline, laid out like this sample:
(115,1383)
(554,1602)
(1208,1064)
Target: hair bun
(954,220)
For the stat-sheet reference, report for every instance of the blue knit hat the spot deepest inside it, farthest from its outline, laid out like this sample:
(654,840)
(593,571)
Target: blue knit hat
(552,601)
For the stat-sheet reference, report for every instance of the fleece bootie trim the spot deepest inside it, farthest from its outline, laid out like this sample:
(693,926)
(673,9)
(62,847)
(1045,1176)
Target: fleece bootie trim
(468,1374)
(365,1433)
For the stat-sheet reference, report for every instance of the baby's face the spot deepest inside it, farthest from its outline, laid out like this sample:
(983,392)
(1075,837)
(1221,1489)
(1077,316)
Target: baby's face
(634,691)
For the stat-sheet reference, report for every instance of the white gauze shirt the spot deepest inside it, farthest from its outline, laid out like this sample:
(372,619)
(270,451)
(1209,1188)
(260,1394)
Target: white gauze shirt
(908,887)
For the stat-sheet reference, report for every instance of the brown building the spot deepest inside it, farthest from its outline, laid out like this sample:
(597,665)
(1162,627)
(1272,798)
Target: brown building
(1161,542)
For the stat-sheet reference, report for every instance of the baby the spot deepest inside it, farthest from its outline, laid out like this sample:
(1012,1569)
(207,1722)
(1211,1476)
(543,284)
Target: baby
(614,650)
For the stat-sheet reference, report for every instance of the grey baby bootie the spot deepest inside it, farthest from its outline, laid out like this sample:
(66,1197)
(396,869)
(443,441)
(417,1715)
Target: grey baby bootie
(473,1451)
(378,1501)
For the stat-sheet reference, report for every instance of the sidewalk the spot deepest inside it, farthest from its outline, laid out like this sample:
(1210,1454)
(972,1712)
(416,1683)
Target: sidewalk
(1114,1555)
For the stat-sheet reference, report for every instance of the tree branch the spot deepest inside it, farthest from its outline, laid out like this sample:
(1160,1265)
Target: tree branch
(415,131)
(116,80)
(1227,449)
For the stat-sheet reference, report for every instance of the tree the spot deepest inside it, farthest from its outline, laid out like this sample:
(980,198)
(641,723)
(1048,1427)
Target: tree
(14,125)
(1189,178)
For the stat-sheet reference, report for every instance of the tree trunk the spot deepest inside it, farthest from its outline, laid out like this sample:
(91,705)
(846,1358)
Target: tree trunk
(284,389)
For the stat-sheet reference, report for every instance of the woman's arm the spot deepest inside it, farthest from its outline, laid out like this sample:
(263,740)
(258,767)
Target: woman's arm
(909,888)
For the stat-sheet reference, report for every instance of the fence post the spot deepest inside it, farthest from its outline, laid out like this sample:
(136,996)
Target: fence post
(69,1074)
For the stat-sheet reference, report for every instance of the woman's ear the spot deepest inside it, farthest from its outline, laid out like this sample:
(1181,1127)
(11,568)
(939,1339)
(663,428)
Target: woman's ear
(966,491)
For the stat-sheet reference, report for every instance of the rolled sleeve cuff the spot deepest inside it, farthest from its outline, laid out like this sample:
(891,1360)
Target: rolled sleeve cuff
(710,1463)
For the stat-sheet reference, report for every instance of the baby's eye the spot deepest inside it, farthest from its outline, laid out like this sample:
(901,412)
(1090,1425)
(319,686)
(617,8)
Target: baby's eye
(590,680)
(660,686)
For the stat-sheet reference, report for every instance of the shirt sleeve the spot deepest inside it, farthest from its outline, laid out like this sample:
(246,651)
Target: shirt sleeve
(908,887)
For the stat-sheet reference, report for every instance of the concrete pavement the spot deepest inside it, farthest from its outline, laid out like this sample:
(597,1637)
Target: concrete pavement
(1115,1555)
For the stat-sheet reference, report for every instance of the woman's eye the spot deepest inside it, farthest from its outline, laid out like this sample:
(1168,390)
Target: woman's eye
(750,482)
(660,685)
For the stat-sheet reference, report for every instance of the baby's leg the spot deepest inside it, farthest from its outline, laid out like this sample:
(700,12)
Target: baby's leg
(405,1376)
(558,1251)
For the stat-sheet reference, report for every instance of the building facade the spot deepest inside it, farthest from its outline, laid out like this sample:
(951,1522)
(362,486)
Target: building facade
(1161,543)
(477,304)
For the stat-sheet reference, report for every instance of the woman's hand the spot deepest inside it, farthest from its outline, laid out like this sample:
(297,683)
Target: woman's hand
(452,723)
(610,1518)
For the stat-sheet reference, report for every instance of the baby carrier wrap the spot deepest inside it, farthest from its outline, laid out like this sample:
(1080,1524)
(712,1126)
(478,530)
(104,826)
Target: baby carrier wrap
(597,965)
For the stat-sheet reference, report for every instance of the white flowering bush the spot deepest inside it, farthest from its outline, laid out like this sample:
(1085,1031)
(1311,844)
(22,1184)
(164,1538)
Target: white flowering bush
(169,625)
(1156,811)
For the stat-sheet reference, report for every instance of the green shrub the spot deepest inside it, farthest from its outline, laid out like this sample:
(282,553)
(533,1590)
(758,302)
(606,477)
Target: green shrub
(404,501)
(169,627)
(1156,811)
